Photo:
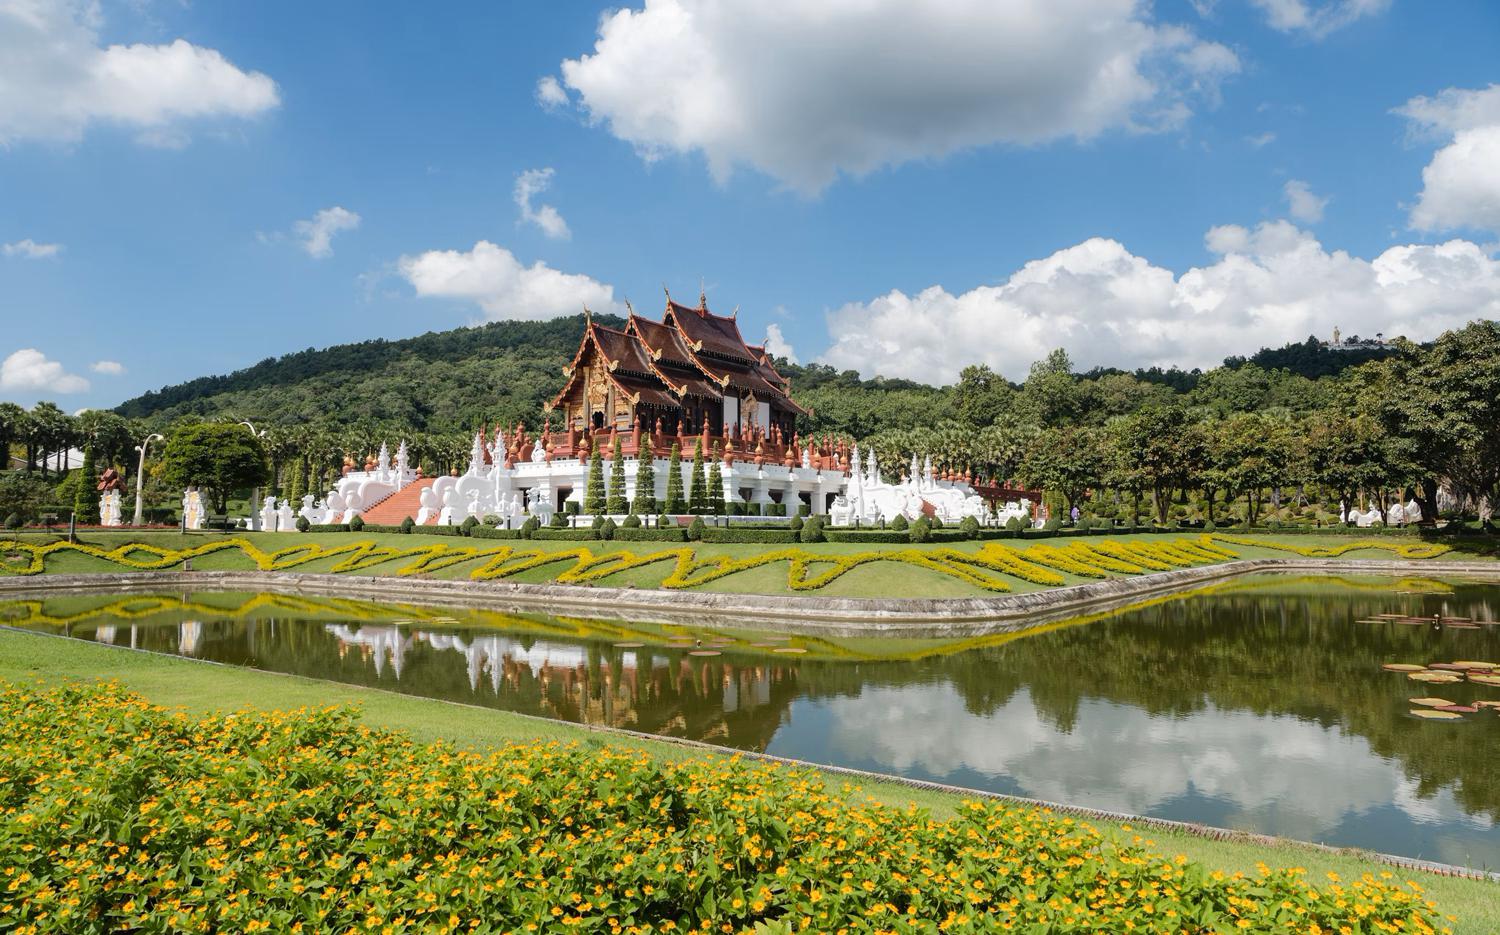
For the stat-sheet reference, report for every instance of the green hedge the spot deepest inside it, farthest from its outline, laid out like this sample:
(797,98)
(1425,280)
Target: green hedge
(495,532)
(865,535)
(642,534)
(566,535)
(747,534)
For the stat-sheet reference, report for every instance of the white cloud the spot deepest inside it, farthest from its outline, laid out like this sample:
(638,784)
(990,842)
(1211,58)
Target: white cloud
(31,250)
(806,91)
(1318,19)
(550,93)
(56,80)
(1270,285)
(112,368)
(29,369)
(1461,185)
(316,234)
(495,280)
(1263,139)
(777,345)
(529,184)
(1302,204)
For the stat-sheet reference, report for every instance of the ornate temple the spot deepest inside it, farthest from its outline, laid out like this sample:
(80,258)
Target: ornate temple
(689,374)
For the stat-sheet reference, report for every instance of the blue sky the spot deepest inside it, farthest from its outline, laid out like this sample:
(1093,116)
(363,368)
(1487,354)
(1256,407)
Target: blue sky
(900,188)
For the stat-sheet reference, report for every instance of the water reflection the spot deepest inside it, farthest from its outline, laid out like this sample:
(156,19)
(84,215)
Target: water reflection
(1259,705)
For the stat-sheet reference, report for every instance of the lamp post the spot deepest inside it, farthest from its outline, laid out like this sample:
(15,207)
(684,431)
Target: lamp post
(255,492)
(140,474)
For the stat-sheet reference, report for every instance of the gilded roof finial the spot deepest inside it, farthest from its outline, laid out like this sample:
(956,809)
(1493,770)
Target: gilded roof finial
(588,316)
(702,295)
(629,308)
(735,313)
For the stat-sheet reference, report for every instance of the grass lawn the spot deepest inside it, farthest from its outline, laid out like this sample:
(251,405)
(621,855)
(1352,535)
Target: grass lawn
(201,688)
(881,579)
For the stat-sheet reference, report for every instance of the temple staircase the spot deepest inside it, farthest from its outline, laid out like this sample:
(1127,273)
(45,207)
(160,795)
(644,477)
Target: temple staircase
(398,506)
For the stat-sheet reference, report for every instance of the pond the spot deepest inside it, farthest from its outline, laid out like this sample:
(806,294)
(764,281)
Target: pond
(1260,704)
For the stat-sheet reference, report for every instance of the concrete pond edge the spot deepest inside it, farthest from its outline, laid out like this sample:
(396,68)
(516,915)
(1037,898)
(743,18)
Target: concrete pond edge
(844,616)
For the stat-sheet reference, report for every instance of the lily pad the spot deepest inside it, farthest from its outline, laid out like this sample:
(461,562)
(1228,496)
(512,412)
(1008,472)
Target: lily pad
(1486,679)
(1448,666)
(629,645)
(1437,678)
(705,652)
(1403,667)
(789,649)
(1487,704)
(1431,702)
(1432,715)
(1468,664)
(1458,708)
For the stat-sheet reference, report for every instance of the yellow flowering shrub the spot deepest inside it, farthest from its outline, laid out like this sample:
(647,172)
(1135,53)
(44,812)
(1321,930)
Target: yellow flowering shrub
(1417,550)
(116,815)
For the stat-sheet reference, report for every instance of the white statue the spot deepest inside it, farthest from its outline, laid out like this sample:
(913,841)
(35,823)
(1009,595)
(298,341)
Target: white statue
(430,505)
(476,456)
(313,514)
(353,503)
(268,515)
(402,463)
(335,512)
(192,508)
(538,453)
(541,508)
(109,508)
(286,521)
(807,456)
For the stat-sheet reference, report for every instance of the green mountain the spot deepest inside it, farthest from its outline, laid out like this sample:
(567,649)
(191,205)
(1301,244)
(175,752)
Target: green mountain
(441,381)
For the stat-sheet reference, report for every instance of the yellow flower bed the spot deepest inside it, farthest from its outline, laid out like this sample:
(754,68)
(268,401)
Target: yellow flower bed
(116,815)
(987,568)
(1415,550)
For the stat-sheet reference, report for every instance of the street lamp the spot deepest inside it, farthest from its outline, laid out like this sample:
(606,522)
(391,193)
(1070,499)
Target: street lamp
(255,492)
(140,475)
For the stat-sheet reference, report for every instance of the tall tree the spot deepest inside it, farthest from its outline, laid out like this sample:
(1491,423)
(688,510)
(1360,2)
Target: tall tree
(1155,452)
(1347,454)
(1068,461)
(617,503)
(85,497)
(1445,403)
(698,484)
(676,502)
(715,485)
(219,458)
(644,503)
(594,499)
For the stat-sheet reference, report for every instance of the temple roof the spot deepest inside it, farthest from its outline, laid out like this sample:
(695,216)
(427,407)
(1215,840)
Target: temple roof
(690,352)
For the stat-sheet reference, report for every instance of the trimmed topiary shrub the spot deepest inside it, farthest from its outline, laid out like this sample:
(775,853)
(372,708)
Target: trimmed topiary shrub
(969,526)
(491,520)
(631,522)
(664,521)
(303,524)
(467,526)
(529,528)
(695,529)
(357,523)
(899,524)
(607,529)
(1015,524)
(13,521)
(1053,524)
(921,530)
(812,530)
(559,521)
(597,524)
(796,524)
(407,525)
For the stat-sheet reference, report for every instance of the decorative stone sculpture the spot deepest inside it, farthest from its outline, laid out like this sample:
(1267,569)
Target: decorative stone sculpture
(286,520)
(268,515)
(192,509)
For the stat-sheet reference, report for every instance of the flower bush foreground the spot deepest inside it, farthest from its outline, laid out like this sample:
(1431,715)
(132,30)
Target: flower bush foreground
(116,815)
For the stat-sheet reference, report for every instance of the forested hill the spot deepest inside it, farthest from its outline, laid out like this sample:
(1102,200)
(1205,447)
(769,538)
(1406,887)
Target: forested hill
(447,381)
(439,381)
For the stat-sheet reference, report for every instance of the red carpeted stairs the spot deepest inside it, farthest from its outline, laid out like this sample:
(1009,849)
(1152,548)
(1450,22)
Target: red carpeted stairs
(399,505)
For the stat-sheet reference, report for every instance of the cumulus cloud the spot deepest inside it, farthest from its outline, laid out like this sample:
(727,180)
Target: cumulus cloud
(529,184)
(777,345)
(31,250)
(1302,204)
(491,277)
(1317,19)
(1461,185)
(316,234)
(56,80)
(550,93)
(1269,285)
(30,369)
(806,91)
(112,368)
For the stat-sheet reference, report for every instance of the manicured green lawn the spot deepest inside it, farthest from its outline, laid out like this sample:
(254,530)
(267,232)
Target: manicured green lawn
(200,687)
